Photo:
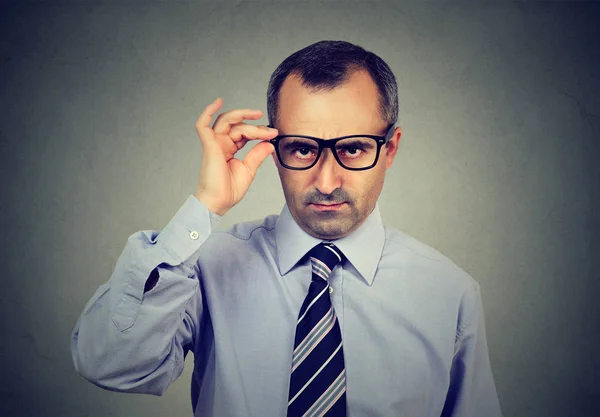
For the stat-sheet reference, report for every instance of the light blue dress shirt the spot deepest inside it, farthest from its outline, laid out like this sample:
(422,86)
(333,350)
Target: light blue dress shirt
(412,322)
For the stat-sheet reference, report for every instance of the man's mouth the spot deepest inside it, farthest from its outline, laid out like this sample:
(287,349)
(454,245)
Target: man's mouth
(327,206)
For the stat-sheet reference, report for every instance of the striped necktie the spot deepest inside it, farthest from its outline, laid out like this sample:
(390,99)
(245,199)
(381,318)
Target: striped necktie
(318,376)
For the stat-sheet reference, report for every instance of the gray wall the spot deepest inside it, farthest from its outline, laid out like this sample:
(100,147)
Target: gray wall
(497,168)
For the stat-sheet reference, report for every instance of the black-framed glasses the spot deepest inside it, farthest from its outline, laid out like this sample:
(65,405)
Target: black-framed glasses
(353,152)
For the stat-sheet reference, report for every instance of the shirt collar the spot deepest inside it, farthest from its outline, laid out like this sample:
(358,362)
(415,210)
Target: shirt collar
(362,248)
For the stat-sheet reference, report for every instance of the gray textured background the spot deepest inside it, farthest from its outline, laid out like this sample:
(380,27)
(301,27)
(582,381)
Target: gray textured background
(497,168)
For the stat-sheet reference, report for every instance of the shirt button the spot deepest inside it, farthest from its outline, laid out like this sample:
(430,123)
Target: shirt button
(330,290)
(194,234)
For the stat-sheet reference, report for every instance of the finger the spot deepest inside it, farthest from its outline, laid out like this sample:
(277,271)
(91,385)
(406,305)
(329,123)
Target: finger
(203,122)
(256,156)
(244,132)
(225,120)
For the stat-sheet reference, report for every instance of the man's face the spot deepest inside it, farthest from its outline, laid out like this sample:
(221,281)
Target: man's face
(328,201)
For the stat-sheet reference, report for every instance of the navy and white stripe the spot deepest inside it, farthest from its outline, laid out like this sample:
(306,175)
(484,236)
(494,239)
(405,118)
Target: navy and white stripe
(318,376)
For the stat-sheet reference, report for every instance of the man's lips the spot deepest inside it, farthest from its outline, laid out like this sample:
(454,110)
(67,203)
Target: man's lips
(327,206)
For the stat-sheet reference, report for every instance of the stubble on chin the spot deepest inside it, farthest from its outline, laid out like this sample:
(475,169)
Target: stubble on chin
(328,225)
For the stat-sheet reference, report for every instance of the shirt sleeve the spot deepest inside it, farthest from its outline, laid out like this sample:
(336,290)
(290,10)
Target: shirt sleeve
(129,340)
(472,391)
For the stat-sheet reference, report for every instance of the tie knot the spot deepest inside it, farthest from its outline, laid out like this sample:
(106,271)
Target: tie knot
(324,257)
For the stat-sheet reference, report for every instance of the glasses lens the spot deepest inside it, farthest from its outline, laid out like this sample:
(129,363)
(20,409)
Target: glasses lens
(357,152)
(298,152)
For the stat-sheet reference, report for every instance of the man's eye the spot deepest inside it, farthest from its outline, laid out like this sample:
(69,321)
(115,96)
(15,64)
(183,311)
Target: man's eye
(303,151)
(350,151)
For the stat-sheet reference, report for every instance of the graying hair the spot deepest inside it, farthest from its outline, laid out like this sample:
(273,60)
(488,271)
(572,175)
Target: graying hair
(325,65)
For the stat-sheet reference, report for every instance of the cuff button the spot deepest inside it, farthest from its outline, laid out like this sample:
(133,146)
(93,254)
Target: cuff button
(194,235)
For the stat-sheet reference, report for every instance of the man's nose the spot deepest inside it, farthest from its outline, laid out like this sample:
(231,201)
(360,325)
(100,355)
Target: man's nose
(328,173)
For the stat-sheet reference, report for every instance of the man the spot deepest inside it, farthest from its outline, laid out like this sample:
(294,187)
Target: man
(318,311)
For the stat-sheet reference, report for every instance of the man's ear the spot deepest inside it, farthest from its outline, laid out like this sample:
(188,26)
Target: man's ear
(392,147)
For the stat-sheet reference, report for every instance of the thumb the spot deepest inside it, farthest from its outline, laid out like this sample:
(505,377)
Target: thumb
(255,156)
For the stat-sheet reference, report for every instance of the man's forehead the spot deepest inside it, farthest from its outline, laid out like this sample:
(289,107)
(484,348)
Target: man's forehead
(331,124)
(346,108)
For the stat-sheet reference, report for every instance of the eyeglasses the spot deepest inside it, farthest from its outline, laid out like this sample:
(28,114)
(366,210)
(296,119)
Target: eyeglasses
(353,152)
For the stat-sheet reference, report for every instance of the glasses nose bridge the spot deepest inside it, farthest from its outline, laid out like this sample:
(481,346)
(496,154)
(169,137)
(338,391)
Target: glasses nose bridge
(330,160)
(327,144)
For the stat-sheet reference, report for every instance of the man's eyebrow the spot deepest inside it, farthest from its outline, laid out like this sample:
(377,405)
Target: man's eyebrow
(357,141)
(294,140)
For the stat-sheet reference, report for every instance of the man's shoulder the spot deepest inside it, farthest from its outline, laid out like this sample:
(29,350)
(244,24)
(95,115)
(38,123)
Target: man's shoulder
(401,241)
(419,256)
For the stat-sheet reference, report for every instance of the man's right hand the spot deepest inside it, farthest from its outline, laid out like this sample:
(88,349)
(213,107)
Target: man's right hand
(224,180)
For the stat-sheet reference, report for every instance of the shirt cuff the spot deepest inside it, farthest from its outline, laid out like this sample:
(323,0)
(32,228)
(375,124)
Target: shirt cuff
(188,229)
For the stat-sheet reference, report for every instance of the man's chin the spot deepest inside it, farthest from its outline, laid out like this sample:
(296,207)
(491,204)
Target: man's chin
(327,228)
(324,224)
